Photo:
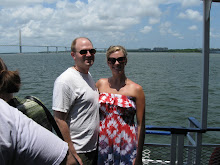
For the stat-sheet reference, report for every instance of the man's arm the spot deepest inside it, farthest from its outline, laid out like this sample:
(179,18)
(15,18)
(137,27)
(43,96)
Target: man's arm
(64,129)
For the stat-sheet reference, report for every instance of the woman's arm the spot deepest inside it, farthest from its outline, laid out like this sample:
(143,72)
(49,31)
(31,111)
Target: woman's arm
(140,106)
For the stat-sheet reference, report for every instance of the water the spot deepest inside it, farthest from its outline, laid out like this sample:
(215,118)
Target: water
(171,81)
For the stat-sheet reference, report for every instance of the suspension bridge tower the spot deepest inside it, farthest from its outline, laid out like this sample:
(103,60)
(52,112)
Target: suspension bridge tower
(20,41)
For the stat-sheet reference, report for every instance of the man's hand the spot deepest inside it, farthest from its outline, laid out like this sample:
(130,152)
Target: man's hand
(73,160)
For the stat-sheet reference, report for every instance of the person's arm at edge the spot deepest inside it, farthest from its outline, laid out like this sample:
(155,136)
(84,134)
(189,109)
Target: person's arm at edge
(60,120)
(140,105)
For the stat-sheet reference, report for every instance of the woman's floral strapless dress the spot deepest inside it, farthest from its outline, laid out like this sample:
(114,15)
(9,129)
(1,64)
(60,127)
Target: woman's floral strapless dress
(118,131)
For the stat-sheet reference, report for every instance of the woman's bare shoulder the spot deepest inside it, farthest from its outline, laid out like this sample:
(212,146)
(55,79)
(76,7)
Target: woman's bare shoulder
(134,85)
(135,89)
(102,80)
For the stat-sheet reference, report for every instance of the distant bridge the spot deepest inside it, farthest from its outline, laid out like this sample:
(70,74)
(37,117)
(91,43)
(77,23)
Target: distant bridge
(46,46)
(67,49)
(20,46)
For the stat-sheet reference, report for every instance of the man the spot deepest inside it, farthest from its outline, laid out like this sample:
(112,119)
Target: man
(23,141)
(75,103)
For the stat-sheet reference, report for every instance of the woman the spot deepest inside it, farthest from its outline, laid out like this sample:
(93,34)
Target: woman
(10,83)
(20,142)
(120,140)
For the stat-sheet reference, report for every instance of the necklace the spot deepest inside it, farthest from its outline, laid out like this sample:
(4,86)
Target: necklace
(119,85)
(82,71)
(76,68)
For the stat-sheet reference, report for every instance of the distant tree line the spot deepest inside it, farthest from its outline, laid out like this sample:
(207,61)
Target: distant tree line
(185,50)
(164,50)
(160,49)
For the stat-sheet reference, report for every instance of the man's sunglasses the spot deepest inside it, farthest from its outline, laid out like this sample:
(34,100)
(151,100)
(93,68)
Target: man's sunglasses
(84,51)
(121,60)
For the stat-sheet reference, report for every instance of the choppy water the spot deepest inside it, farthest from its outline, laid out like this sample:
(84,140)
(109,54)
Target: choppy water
(171,82)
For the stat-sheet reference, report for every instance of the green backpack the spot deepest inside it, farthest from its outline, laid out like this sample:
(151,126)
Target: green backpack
(33,108)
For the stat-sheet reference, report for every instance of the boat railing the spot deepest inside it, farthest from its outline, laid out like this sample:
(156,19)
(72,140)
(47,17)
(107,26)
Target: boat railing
(185,147)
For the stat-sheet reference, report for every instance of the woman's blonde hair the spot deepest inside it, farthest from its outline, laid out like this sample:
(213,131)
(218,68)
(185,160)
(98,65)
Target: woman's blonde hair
(113,49)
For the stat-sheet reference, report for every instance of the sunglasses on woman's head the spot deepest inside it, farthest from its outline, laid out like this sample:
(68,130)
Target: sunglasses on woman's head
(120,60)
(84,51)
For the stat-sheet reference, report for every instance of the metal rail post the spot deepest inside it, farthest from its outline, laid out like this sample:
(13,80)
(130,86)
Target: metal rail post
(206,31)
(180,149)
(173,149)
(198,148)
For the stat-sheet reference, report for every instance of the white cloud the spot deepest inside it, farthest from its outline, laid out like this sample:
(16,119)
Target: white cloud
(59,21)
(146,29)
(190,3)
(193,27)
(76,17)
(17,3)
(165,29)
(191,14)
(154,20)
(215,35)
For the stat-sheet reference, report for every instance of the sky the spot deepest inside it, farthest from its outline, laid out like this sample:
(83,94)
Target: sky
(175,24)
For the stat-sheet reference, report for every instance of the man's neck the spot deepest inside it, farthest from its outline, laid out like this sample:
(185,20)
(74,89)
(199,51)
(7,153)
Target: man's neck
(81,70)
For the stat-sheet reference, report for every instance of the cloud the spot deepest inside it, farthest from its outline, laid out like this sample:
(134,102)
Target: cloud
(215,35)
(58,22)
(17,3)
(146,29)
(165,28)
(64,18)
(190,3)
(193,27)
(191,15)
(154,20)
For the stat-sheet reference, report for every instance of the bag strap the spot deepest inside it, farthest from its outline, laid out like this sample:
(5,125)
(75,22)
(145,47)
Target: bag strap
(50,119)
(49,116)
